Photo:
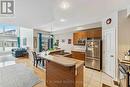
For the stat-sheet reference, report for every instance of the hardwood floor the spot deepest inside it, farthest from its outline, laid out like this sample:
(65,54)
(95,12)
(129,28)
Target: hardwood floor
(6,60)
(92,78)
(39,72)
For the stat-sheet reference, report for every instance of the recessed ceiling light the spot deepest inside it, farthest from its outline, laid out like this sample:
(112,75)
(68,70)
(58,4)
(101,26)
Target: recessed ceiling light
(64,5)
(62,20)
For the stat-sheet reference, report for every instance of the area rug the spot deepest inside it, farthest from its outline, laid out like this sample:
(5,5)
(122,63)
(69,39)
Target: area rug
(17,75)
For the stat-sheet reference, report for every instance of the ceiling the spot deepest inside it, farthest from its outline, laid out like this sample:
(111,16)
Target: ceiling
(50,14)
(30,13)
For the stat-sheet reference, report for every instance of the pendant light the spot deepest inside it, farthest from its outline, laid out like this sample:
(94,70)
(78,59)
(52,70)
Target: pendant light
(51,33)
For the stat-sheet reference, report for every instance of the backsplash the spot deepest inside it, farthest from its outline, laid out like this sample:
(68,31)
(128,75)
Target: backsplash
(79,48)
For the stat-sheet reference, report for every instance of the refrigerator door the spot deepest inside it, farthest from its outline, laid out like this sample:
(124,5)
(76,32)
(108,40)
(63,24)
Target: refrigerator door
(93,63)
(93,54)
(93,48)
(96,48)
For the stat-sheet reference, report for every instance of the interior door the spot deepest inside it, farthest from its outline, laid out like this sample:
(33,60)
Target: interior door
(109,51)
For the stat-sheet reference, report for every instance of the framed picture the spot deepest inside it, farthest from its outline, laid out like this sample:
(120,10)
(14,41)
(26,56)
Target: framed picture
(57,43)
(69,41)
(63,40)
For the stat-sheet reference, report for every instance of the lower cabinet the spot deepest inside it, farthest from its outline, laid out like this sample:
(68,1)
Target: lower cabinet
(78,55)
(62,76)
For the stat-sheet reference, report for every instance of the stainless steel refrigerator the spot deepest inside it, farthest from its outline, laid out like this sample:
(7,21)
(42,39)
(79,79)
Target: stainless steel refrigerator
(93,55)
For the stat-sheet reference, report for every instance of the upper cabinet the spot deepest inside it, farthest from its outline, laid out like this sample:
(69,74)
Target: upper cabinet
(80,36)
(94,33)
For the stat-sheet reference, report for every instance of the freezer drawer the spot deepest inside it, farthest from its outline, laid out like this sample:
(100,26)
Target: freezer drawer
(93,63)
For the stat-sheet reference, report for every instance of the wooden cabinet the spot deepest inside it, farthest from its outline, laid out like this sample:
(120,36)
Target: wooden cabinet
(63,76)
(94,33)
(98,33)
(79,35)
(56,73)
(78,55)
(75,38)
(89,33)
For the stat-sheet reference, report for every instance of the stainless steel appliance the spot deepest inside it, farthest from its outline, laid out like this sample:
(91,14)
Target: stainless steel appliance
(93,56)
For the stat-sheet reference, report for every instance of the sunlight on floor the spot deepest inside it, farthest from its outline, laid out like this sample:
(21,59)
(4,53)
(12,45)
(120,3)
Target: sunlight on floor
(3,64)
(6,60)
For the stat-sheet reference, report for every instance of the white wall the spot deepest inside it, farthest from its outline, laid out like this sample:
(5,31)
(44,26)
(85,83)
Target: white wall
(128,11)
(36,31)
(67,47)
(124,33)
(28,34)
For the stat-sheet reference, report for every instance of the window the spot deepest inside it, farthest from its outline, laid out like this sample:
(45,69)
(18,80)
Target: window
(11,44)
(8,37)
(8,29)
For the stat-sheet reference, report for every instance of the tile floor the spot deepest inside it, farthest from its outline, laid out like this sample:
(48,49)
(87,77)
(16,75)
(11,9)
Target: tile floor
(94,78)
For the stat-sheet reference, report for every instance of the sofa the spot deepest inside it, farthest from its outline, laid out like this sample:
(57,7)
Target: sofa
(19,52)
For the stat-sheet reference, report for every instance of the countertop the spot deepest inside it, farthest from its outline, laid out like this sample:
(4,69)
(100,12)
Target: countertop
(125,61)
(78,50)
(65,61)
(56,50)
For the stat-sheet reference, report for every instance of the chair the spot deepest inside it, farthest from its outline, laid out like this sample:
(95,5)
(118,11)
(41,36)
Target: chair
(123,75)
(36,59)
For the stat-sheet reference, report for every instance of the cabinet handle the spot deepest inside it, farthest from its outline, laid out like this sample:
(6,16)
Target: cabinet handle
(111,56)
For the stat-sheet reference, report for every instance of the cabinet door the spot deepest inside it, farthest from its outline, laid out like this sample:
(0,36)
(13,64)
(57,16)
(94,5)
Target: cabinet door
(75,38)
(109,61)
(78,55)
(90,33)
(83,34)
(98,33)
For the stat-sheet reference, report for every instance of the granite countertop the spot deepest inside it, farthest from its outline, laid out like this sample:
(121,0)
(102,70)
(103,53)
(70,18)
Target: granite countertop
(78,50)
(56,50)
(65,61)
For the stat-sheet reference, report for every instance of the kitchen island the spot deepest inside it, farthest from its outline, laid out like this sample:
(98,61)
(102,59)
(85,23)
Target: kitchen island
(63,71)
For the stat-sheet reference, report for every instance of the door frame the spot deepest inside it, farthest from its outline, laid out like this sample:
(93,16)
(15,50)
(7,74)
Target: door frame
(116,77)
